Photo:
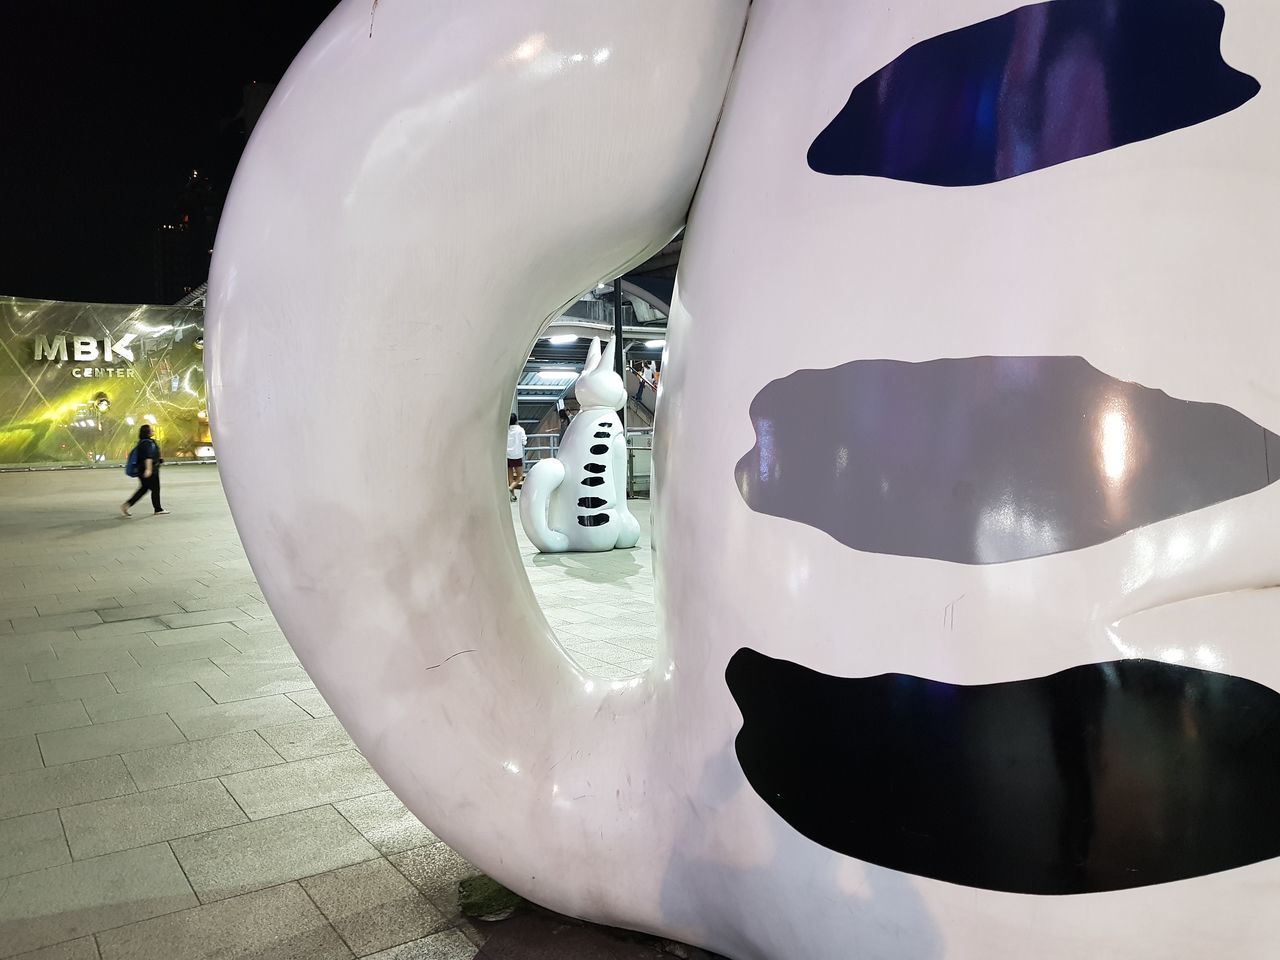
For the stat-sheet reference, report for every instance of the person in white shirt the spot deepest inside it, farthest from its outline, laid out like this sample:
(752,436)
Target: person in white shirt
(516,440)
(644,378)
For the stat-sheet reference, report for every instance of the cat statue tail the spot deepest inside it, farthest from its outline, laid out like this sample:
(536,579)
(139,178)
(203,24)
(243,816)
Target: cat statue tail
(542,481)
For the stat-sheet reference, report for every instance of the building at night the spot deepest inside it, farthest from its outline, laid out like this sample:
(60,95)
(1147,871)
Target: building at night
(183,246)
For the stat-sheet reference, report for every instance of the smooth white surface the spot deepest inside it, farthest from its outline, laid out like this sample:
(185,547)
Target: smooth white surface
(412,206)
(549,502)
(409,212)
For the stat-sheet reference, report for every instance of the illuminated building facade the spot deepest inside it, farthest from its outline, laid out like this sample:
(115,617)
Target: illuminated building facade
(78,379)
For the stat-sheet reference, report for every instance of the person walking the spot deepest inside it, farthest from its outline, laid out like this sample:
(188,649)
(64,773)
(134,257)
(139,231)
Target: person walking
(644,377)
(565,420)
(147,456)
(516,440)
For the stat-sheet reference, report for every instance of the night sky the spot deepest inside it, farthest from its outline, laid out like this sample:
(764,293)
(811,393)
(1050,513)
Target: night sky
(107,107)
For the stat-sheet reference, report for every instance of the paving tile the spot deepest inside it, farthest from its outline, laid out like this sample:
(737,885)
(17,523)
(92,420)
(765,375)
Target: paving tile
(436,871)
(59,622)
(594,667)
(167,591)
(152,816)
(264,682)
(572,615)
(121,628)
(183,762)
(106,739)
(144,702)
(53,691)
(81,664)
(31,843)
(82,949)
(155,655)
(603,650)
(386,822)
(308,738)
(280,923)
(264,625)
(236,860)
(29,648)
(42,717)
(260,643)
(126,642)
(373,906)
(77,603)
(156,608)
(17,610)
(267,658)
(187,671)
(607,611)
(199,618)
(598,630)
(65,902)
(446,945)
(312,702)
(112,581)
(211,631)
(640,646)
(270,791)
(19,753)
(203,722)
(215,601)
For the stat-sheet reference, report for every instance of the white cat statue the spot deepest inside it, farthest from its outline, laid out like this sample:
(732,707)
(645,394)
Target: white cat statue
(578,500)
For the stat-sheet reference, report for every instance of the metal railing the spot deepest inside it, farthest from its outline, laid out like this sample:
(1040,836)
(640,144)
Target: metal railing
(639,456)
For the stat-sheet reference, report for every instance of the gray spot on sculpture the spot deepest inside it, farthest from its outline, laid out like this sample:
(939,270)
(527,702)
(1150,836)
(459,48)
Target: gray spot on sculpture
(990,459)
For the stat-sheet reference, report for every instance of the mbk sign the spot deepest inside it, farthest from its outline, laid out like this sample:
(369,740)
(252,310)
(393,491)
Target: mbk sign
(88,350)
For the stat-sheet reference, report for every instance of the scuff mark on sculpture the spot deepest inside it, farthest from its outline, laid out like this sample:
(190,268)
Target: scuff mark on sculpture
(949,612)
(450,657)
(372,12)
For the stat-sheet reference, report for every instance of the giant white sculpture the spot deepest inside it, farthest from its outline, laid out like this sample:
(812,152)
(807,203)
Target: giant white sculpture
(965,456)
(577,500)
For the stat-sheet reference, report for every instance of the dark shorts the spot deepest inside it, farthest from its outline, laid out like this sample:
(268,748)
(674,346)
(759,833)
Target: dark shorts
(512,464)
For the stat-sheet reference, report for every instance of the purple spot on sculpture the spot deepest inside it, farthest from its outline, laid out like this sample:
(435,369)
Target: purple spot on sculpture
(990,459)
(1037,86)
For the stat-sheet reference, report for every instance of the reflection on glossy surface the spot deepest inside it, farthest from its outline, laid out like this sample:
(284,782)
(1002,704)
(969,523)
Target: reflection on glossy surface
(990,459)
(413,205)
(1103,777)
(1041,85)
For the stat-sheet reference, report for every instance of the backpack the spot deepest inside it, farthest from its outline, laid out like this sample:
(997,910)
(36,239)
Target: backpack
(131,465)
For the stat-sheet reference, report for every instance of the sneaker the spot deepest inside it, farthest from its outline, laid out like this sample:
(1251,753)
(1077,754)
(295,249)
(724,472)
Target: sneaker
(162,513)
(124,508)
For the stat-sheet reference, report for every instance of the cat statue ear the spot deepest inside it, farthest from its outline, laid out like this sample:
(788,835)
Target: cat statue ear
(599,384)
(606,361)
(593,358)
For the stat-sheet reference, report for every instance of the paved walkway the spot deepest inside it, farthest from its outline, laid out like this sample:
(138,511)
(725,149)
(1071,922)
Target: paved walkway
(172,787)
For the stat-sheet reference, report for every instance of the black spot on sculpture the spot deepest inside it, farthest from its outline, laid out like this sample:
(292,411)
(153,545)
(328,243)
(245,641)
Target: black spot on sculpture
(1102,777)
